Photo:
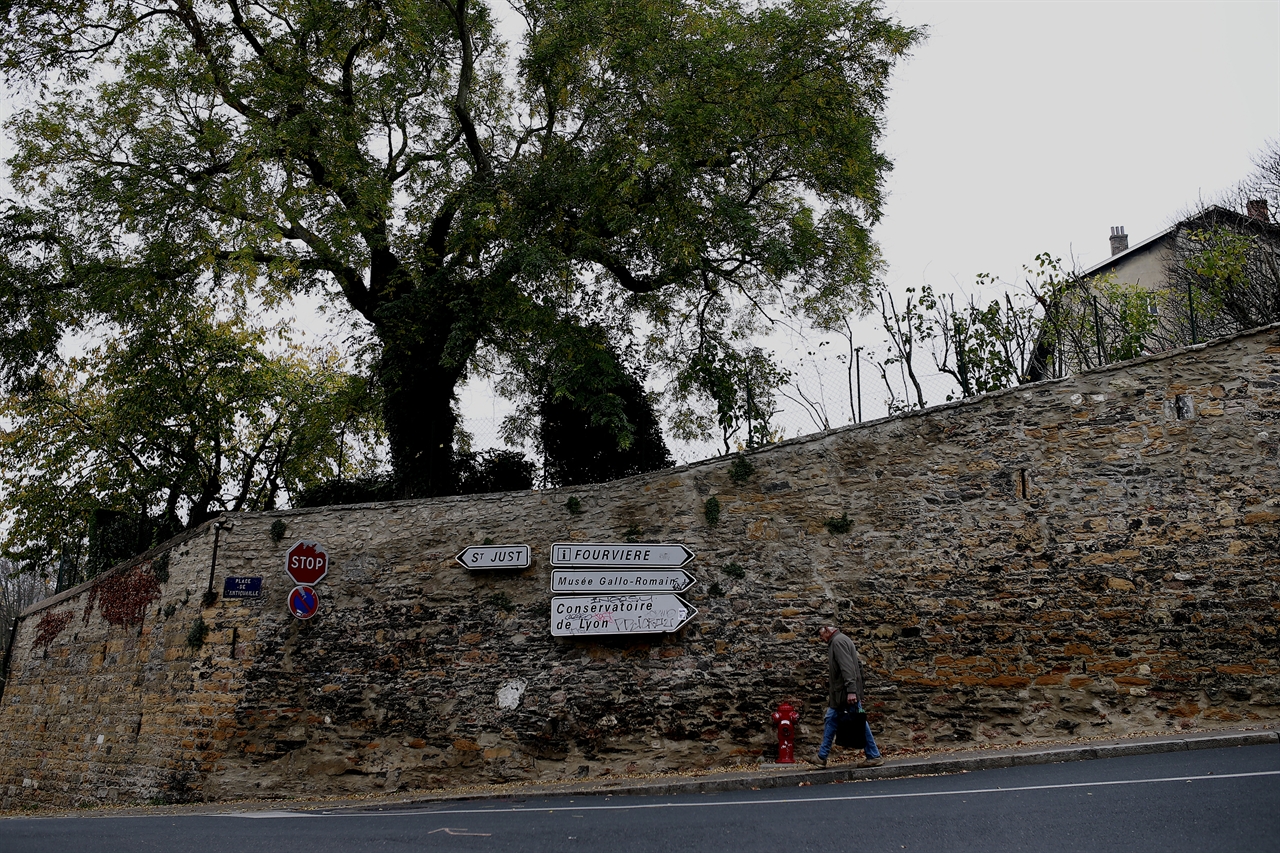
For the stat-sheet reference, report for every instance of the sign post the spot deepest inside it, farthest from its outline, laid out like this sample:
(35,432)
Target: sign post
(609,615)
(629,555)
(621,580)
(307,563)
(303,602)
(476,557)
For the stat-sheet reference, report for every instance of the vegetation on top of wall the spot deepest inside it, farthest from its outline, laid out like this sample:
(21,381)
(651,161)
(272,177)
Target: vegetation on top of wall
(741,469)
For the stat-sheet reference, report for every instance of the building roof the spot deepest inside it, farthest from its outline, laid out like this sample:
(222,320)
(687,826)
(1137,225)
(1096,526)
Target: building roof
(1212,215)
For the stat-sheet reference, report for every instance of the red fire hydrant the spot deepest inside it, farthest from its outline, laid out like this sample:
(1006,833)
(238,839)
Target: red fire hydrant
(785,718)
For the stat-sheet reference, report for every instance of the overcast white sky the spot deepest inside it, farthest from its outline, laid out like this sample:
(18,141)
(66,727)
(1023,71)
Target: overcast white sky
(1022,127)
(1025,127)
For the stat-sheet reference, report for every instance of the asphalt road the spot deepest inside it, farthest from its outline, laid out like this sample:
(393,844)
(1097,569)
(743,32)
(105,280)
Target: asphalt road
(1195,801)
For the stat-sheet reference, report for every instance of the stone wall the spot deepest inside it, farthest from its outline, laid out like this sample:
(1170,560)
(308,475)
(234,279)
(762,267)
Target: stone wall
(1091,556)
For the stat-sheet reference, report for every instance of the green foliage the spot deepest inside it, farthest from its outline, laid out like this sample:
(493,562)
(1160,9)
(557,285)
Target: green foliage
(734,570)
(160,567)
(278,530)
(838,526)
(502,601)
(358,490)
(679,167)
(596,422)
(198,634)
(161,426)
(742,469)
(711,510)
(715,590)
(632,533)
(740,385)
(494,471)
(573,505)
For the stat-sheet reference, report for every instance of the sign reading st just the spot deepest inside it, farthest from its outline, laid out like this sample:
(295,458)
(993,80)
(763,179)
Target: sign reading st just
(628,555)
(621,580)
(602,615)
(495,557)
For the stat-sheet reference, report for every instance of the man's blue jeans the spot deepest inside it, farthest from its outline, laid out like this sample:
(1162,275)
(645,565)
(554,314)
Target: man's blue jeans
(829,736)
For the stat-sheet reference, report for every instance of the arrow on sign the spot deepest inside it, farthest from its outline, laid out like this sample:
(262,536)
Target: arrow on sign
(596,615)
(495,557)
(621,580)
(626,555)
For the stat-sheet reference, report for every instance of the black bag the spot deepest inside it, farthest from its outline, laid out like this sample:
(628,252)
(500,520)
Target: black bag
(851,729)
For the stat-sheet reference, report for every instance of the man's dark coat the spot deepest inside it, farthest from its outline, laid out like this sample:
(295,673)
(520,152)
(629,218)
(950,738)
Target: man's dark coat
(846,671)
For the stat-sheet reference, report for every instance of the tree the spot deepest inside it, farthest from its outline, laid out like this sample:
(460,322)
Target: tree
(1223,270)
(582,416)
(18,591)
(164,425)
(662,167)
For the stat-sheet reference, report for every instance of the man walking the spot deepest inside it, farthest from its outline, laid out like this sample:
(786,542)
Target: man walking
(844,693)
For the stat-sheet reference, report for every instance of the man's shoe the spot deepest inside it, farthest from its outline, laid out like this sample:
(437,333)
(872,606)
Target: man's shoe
(818,760)
(871,762)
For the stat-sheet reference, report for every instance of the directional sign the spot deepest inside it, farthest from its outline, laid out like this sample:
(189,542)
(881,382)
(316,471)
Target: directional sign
(477,557)
(303,602)
(621,580)
(306,562)
(629,555)
(602,615)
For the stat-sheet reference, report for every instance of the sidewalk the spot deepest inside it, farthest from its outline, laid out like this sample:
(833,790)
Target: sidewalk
(801,773)
(764,776)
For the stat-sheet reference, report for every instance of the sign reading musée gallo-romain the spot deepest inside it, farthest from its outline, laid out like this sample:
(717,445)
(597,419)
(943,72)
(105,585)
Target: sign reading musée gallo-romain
(621,580)
(598,567)
(599,615)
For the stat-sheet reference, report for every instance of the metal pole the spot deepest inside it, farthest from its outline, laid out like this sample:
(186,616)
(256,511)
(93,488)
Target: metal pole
(857,366)
(1097,328)
(1191,307)
(8,654)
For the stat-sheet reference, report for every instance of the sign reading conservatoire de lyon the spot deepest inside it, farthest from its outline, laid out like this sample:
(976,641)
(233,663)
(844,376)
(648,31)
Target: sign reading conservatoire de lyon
(494,557)
(620,580)
(625,555)
(602,615)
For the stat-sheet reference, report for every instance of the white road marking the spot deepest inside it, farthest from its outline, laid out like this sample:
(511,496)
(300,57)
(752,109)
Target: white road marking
(1213,777)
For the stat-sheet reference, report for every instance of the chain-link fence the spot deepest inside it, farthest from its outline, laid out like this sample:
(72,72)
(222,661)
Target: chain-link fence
(820,395)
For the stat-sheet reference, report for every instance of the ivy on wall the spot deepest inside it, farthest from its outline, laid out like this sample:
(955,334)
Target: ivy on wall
(50,626)
(123,597)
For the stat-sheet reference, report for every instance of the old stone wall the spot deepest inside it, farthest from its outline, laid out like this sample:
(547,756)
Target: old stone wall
(1091,556)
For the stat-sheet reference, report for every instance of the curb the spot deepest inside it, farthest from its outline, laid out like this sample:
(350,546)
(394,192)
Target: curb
(790,777)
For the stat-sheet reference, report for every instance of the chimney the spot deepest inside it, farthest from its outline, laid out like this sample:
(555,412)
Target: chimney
(1119,240)
(1257,209)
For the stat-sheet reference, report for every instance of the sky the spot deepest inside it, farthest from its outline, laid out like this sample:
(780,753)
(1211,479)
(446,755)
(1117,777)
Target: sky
(1025,127)
(1017,128)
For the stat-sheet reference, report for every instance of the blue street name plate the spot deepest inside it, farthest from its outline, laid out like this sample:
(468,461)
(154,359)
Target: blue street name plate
(242,588)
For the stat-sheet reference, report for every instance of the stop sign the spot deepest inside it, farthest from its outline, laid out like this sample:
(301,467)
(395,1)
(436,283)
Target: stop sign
(306,562)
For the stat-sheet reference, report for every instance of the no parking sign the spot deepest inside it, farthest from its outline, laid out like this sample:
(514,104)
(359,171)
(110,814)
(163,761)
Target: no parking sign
(303,602)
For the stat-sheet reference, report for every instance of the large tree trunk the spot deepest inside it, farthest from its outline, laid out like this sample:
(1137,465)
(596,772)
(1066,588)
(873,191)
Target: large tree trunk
(419,370)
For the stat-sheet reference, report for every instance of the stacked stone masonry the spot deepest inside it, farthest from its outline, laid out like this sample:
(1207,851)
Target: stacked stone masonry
(1092,556)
